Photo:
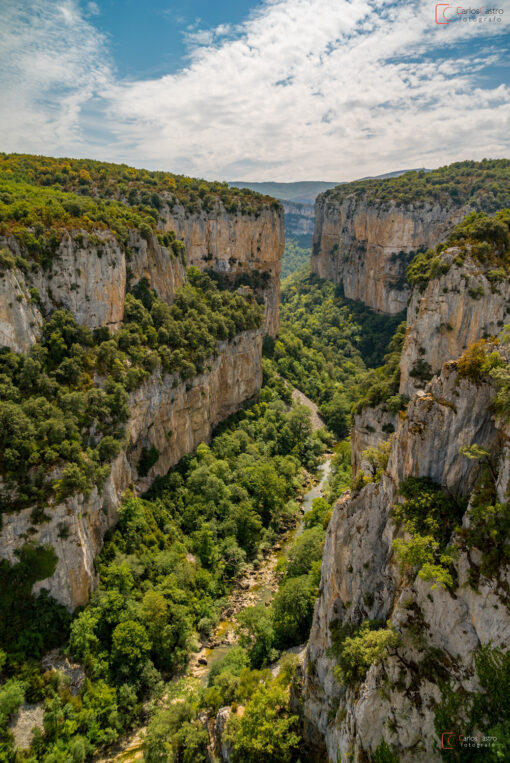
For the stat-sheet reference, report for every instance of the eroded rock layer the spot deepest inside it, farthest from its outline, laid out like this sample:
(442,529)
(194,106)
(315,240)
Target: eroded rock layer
(366,246)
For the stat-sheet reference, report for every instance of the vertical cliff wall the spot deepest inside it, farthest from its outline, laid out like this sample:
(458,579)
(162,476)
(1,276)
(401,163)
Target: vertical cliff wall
(455,309)
(238,246)
(88,276)
(439,630)
(462,303)
(367,245)
(171,415)
(435,628)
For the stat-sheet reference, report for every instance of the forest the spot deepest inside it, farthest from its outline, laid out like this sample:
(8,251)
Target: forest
(167,568)
(126,184)
(484,185)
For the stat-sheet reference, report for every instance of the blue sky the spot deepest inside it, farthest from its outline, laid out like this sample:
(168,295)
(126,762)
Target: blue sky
(270,90)
(149,39)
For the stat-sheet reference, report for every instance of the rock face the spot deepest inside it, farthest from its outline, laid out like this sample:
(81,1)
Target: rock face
(454,311)
(366,247)
(173,416)
(88,277)
(369,428)
(439,630)
(236,246)
(90,271)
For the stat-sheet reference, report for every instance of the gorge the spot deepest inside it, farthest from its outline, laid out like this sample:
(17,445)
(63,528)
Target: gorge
(154,459)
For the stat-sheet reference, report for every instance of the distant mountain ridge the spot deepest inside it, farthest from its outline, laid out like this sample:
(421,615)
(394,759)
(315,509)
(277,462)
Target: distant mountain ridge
(302,191)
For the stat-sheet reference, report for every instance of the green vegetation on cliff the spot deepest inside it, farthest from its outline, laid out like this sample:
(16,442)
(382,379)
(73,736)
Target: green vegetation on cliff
(482,238)
(64,405)
(164,573)
(483,185)
(132,186)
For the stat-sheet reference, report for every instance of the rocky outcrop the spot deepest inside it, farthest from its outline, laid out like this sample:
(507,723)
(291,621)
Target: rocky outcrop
(238,246)
(369,428)
(366,247)
(88,276)
(89,272)
(439,629)
(173,416)
(455,310)
(20,317)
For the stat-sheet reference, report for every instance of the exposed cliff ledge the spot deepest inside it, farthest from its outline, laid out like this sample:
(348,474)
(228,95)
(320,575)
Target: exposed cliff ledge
(369,428)
(236,245)
(88,276)
(366,245)
(455,310)
(89,272)
(173,416)
(361,580)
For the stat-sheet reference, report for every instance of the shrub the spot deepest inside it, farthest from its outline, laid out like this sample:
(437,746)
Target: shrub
(368,645)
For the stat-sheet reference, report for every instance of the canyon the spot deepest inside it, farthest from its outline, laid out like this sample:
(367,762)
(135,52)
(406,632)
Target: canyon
(89,276)
(366,247)
(440,629)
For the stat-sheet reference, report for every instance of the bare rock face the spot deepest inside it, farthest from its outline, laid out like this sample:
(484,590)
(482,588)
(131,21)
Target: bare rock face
(299,218)
(20,317)
(173,416)
(236,245)
(366,247)
(369,428)
(449,414)
(440,630)
(88,277)
(452,312)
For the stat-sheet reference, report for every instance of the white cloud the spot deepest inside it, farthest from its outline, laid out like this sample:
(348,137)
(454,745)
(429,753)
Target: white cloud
(305,89)
(52,62)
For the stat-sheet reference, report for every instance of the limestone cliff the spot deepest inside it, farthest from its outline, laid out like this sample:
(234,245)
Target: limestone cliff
(439,629)
(299,218)
(457,308)
(242,247)
(367,245)
(173,416)
(370,427)
(89,272)
(87,276)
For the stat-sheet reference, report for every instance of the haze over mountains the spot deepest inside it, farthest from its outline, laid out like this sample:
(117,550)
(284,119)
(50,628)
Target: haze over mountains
(303,191)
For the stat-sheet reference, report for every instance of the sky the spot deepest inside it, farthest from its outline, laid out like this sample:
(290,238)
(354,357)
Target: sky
(280,90)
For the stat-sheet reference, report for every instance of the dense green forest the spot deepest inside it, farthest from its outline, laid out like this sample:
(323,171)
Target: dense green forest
(168,567)
(135,187)
(55,413)
(296,255)
(164,573)
(484,185)
(326,343)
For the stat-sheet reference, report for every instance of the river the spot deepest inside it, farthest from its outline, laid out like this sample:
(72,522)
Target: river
(258,586)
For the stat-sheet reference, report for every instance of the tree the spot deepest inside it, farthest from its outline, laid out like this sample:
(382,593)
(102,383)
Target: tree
(130,645)
(305,550)
(257,635)
(266,731)
(293,610)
